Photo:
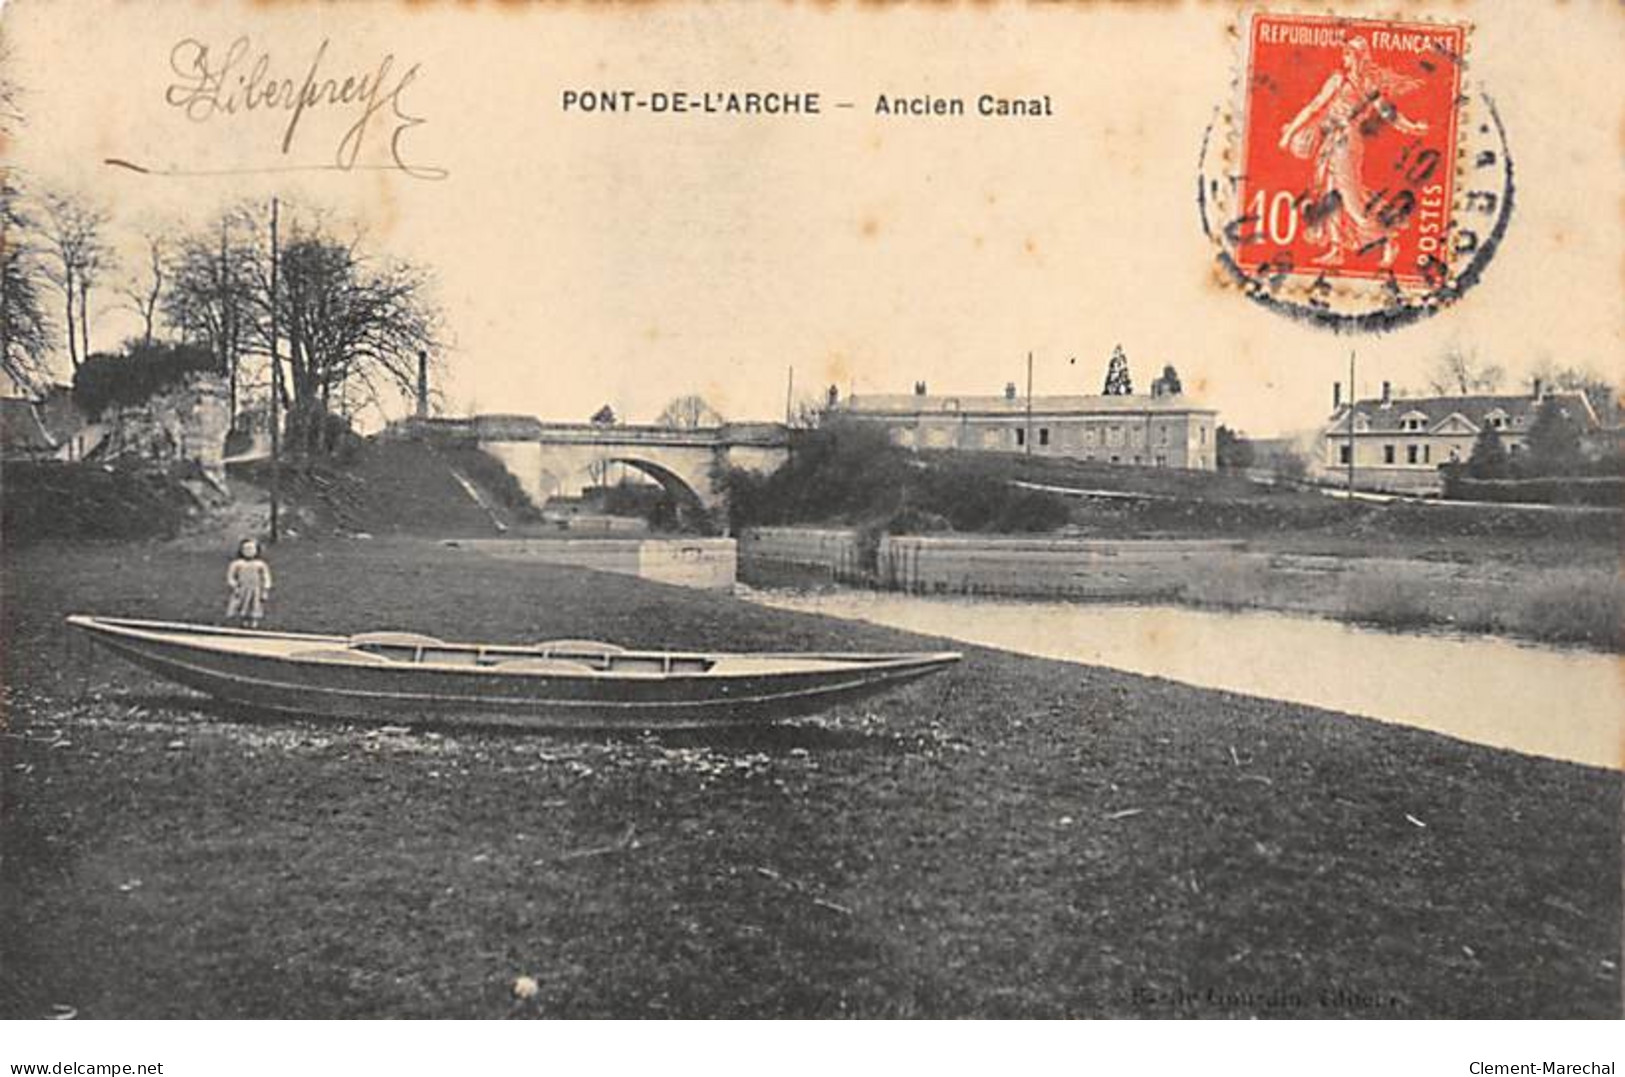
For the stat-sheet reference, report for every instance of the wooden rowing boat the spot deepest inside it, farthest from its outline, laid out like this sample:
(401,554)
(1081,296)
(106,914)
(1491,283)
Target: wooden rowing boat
(405,677)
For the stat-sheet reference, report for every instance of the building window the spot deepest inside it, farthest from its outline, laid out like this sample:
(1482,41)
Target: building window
(1387,454)
(1413,454)
(1427,454)
(1162,460)
(1043,435)
(1203,429)
(1343,454)
(1162,435)
(1021,436)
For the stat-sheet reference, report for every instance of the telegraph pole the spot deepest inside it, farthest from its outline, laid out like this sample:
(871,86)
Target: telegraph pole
(276,388)
(789,393)
(1353,396)
(1029,437)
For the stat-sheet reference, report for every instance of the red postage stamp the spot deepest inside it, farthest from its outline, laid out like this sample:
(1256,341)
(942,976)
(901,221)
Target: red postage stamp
(1349,148)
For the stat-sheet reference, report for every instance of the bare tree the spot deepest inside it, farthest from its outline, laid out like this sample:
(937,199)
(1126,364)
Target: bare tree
(1601,393)
(355,326)
(808,413)
(25,330)
(210,297)
(76,256)
(1461,372)
(11,111)
(688,412)
(350,324)
(145,288)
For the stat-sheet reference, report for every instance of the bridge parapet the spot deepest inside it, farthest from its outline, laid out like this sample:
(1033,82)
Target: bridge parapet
(550,459)
(529,428)
(768,435)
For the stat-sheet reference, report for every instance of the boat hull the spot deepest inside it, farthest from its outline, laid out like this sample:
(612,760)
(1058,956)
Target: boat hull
(442,695)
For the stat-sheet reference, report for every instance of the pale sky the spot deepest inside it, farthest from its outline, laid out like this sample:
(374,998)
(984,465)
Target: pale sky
(627,259)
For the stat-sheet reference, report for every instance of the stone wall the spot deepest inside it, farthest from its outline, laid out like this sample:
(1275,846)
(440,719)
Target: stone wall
(706,563)
(187,422)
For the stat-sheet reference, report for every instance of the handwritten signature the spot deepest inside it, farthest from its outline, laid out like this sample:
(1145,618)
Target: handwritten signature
(210,84)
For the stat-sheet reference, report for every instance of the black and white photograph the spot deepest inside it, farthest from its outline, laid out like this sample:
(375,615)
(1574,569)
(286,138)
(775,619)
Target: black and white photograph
(890,512)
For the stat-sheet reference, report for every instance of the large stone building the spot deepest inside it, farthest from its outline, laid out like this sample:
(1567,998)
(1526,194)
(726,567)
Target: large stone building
(1399,443)
(1164,429)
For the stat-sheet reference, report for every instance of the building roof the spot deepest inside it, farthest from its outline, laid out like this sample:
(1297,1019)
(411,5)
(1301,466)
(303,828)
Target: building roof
(935,403)
(21,432)
(1519,410)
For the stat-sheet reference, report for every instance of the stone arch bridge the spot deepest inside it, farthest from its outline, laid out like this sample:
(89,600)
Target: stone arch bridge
(562,459)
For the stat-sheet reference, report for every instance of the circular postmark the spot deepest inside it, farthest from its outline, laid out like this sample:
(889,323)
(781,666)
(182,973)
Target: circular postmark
(1355,185)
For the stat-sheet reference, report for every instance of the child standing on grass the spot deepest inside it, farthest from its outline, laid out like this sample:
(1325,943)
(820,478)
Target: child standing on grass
(249,578)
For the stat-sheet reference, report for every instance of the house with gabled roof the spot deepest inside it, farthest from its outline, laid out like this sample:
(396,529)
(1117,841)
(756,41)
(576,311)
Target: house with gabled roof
(46,425)
(1398,444)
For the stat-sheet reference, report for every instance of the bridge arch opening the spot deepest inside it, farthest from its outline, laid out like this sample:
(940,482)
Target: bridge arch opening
(692,513)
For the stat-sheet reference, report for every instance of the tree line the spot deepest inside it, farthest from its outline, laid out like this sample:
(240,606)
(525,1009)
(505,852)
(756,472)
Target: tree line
(348,322)
(345,322)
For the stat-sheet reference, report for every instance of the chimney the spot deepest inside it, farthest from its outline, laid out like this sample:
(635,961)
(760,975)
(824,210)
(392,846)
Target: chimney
(423,385)
(1009,390)
(1387,394)
(1337,395)
(832,396)
(1538,387)
(919,388)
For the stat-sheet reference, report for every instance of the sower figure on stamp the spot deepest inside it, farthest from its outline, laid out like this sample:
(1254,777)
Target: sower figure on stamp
(249,579)
(1329,130)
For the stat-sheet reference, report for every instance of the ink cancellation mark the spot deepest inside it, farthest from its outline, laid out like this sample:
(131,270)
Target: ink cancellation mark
(1361,189)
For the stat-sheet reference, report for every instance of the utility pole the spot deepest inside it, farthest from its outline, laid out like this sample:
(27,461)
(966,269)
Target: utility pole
(789,394)
(1029,438)
(276,388)
(1353,397)
(226,362)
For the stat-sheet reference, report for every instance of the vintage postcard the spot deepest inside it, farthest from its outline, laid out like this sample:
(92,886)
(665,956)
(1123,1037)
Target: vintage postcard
(687,510)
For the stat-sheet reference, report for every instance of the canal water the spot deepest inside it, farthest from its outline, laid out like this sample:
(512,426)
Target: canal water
(1538,700)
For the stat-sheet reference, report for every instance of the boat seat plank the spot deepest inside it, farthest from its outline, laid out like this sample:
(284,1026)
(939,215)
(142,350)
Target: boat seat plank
(394,639)
(341,656)
(579,646)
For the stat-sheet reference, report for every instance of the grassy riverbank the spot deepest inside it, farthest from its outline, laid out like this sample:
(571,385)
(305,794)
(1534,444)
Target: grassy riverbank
(1573,600)
(1015,838)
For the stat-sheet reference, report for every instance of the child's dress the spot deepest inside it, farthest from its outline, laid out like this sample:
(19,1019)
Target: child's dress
(249,581)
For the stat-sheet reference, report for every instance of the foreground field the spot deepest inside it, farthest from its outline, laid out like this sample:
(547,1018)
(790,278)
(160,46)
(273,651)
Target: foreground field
(1016,838)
